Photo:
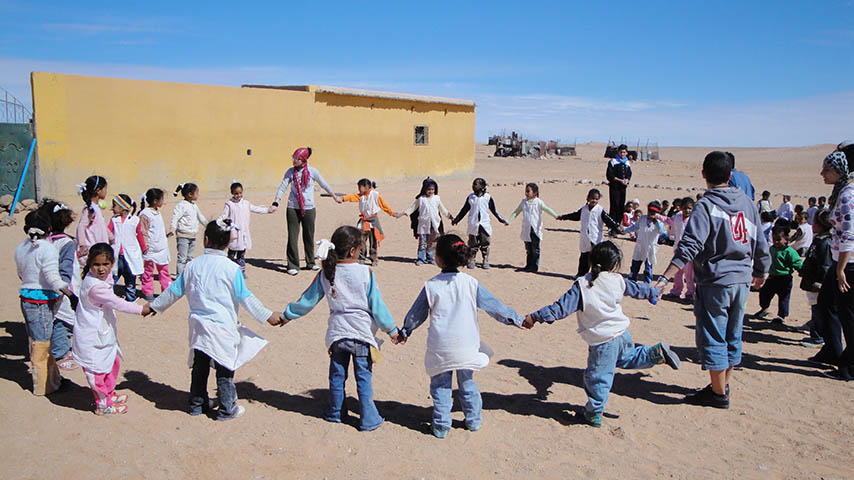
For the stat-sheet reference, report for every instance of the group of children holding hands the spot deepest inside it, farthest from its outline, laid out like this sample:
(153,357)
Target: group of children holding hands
(215,287)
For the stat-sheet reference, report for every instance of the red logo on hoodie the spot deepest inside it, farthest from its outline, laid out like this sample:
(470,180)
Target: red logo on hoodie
(739,230)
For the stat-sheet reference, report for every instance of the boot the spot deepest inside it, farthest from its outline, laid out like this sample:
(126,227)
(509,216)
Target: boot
(486,259)
(46,378)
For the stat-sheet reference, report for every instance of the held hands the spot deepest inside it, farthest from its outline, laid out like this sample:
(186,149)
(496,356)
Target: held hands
(272,209)
(398,214)
(395,337)
(277,319)
(337,198)
(146,310)
(528,323)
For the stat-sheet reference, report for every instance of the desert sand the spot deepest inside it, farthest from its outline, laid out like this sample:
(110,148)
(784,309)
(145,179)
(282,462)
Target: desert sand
(786,420)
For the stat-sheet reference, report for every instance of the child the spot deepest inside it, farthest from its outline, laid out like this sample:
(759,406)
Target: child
(95,345)
(676,207)
(636,216)
(685,275)
(786,210)
(767,224)
(628,214)
(727,255)
(478,205)
(238,209)
(764,203)
(532,208)
(816,264)
(37,261)
(802,238)
(155,256)
(370,204)
(822,203)
(128,244)
(604,326)
(215,288)
(186,219)
(812,210)
(69,270)
(356,311)
(592,216)
(429,226)
(91,228)
(648,229)
(451,299)
(784,261)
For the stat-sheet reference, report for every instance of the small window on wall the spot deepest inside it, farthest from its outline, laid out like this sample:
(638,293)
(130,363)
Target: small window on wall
(421,134)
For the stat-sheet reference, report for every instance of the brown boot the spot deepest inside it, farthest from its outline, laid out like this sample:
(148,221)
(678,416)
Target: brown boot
(46,378)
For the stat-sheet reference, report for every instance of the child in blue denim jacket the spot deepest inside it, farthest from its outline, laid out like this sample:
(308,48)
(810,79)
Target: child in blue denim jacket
(602,324)
(451,299)
(356,311)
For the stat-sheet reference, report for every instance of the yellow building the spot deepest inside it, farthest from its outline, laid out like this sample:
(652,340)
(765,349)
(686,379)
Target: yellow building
(139,134)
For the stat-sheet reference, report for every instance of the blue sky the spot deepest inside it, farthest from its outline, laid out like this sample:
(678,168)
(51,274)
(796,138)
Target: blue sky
(680,73)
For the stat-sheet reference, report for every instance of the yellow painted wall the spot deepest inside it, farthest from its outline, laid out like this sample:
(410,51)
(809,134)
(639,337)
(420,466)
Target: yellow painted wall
(139,134)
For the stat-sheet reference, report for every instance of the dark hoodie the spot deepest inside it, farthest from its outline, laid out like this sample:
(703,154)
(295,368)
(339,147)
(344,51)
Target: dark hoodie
(724,240)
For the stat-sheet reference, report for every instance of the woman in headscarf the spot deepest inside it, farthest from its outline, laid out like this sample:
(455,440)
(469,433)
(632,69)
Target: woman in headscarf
(836,298)
(300,210)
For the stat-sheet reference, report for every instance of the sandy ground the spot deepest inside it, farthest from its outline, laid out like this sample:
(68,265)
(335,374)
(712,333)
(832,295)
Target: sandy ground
(786,421)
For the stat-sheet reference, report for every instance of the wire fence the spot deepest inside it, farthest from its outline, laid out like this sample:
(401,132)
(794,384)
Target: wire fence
(12,110)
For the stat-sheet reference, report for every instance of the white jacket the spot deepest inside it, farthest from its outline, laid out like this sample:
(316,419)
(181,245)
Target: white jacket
(602,317)
(38,266)
(186,218)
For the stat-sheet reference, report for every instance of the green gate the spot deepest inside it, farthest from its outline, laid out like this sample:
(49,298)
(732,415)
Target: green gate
(15,140)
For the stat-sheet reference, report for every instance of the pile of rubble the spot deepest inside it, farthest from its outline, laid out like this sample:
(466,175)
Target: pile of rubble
(26,205)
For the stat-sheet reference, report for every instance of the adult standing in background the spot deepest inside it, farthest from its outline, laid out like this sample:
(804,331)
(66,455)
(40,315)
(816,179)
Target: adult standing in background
(740,179)
(300,211)
(836,298)
(618,174)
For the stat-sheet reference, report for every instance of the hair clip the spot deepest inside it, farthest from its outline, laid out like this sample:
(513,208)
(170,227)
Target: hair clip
(459,243)
(58,207)
(180,187)
(323,247)
(234,180)
(81,187)
(224,224)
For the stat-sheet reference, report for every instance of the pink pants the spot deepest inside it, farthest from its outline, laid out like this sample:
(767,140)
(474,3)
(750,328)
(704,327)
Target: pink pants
(103,385)
(688,273)
(148,277)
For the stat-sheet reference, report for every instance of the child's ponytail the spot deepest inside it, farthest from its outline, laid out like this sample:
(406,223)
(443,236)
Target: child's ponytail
(453,251)
(151,195)
(88,188)
(605,257)
(344,239)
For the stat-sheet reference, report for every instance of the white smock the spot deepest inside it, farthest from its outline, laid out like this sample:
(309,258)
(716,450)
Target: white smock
(157,249)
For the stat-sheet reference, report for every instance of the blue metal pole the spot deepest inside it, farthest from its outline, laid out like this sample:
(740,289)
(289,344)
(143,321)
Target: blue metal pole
(21,181)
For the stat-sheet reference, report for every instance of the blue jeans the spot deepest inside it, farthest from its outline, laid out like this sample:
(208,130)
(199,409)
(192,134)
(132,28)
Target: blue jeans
(719,313)
(60,340)
(532,253)
(39,319)
(440,390)
(339,361)
(603,359)
(647,274)
(427,246)
(225,391)
(123,270)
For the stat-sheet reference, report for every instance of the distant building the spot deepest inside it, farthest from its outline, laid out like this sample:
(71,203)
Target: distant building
(140,134)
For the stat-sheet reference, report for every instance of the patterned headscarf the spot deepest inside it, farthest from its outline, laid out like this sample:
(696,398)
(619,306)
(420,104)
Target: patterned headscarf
(302,176)
(839,162)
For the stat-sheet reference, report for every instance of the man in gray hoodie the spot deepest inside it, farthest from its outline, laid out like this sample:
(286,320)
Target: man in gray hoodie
(729,251)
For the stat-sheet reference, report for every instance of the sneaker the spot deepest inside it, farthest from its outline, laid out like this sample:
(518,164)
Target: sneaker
(590,418)
(471,265)
(671,296)
(418,263)
(240,411)
(292,271)
(760,314)
(812,343)
(314,267)
(122,399)
(689,299)
(777,320)
(801,328)
(708,398)
(473,427)
(822,361)
(486,265)
(440,432)
(112,410)
(663,353)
